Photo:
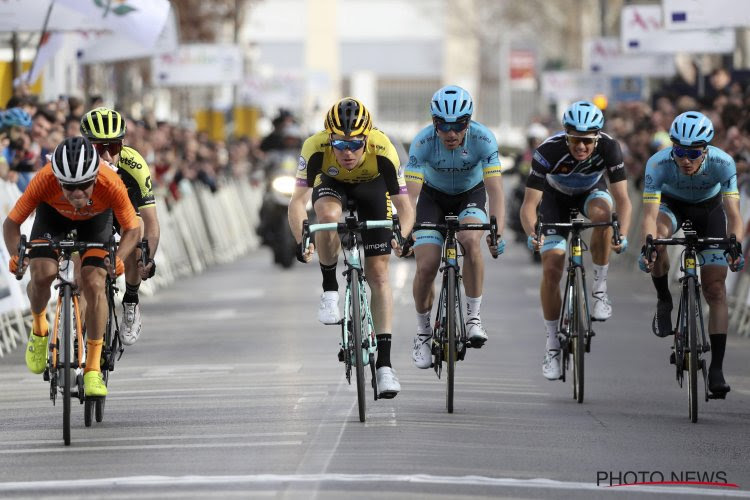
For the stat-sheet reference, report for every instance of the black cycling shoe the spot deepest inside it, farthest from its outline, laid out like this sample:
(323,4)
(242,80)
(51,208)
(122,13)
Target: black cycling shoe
(717,385)
(662,322)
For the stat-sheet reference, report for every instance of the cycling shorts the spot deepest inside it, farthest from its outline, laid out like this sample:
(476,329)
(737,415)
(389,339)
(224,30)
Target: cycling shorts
(708,218)
(434,205)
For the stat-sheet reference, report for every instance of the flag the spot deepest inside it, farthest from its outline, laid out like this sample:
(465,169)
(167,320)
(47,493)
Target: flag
(50,44)
(140,20)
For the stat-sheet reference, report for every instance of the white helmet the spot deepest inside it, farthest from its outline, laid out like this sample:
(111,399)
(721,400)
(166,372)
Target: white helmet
(75,161)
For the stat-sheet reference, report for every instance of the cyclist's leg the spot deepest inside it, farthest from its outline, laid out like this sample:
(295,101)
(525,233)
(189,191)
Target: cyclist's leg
(713,224)
(598,208)
(131,317)
(327,197)
(667,222)
(43,269)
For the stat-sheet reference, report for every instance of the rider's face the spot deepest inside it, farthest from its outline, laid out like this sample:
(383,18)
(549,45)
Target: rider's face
(581,144)
(343,147)
(681,157)
(451,138)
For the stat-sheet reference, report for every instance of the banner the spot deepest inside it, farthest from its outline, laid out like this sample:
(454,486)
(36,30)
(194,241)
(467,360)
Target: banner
(705,14)
(29,15)
(605,57)
(198,64)
(51,43)
(138,20)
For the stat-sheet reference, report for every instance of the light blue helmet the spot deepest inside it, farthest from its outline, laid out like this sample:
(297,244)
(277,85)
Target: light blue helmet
(691,128)
(451,104)
(16,117)
(583,116)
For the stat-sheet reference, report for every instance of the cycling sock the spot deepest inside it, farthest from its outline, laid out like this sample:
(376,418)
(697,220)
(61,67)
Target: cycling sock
(93,355)
(131,293)
(472,306)
(330,284)
(384,350)
(662,288)
(718,346)
(600,278)
(423,322)
(40,326)
(552,341)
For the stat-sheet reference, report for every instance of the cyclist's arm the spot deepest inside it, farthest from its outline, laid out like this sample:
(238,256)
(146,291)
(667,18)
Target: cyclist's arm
(405,213)
(11,235)
(531,199)
(648,221)
(151,228)
(297,212)
(734,219)
(622,205)
(496,200)
(128,240)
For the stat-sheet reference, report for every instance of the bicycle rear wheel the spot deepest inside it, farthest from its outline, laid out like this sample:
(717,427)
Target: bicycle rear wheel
(355,344)
(578,329)
(450,328)
(65,346)
(692,349)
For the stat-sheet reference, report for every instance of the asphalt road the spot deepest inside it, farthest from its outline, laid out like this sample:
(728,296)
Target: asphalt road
(234,390)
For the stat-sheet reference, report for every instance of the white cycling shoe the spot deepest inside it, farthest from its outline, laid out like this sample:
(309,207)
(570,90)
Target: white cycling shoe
(422,352)
(602,306)
(131,323)
(475,332)
(551,364)
(328,310)
(388,385)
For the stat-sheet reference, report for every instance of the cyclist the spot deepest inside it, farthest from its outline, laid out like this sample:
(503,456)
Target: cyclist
(454,168)
(105,128)
(351,159)
(693,180)
(567,172)
(72,192)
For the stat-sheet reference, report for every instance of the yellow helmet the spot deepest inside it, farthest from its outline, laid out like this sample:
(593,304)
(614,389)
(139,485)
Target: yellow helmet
(348,117)
(103,124)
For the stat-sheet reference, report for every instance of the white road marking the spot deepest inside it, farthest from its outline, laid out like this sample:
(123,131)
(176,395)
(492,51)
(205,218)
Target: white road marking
(97,449)
(158,438)
(283,480)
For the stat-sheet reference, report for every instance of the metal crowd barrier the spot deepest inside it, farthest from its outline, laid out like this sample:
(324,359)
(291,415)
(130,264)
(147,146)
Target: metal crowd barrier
(199,230)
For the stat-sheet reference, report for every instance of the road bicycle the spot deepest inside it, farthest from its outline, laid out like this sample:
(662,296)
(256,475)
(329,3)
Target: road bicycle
(690,335)
(449,340)
(358,340)
(574,328)
(66,353)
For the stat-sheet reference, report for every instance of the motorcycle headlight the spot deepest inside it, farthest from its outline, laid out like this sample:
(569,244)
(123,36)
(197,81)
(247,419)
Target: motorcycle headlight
(283,184)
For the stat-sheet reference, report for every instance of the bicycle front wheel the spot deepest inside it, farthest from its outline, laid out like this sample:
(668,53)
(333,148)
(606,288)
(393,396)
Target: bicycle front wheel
(66,348)
(355,341)
(692,349)
(578,330)
(450,328)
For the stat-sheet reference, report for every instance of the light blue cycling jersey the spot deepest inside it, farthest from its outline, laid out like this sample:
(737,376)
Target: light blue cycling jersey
(453,171)
(717,173)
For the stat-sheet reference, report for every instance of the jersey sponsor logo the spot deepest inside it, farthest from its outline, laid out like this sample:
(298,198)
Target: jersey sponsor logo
(616,167)
(649,181)
(541,159)
(377,246)
(412,161)
(332,171)
(493,157)
(301,163)
(464,152)
(130,163)
(469,205)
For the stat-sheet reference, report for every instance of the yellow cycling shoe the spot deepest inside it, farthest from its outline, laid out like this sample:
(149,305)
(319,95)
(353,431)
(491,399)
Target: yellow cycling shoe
(36,353)
(93,385)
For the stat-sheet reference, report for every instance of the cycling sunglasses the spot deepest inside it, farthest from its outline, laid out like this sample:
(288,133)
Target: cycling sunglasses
(113,148)
(451,127)
(83,186)
(343,145)
(692,154)
(575,140)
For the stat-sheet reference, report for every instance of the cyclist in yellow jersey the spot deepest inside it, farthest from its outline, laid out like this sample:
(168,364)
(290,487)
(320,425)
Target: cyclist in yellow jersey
(350,159)
(105,128)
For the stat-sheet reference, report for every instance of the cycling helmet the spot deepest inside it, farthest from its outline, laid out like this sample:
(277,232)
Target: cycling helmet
(348,117)
(17,117)
(583,116)
(101,124)
(691,129)
(451,104)
(75,161)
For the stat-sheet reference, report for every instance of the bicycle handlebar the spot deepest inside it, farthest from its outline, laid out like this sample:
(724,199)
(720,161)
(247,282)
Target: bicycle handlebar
(67,245)
(350,225)
(451,223)
(691,240)
(581,225)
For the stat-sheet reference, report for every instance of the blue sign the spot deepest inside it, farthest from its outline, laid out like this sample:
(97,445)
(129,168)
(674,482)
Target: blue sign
(627,88)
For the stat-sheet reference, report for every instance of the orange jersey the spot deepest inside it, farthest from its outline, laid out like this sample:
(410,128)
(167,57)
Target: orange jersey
(109,193)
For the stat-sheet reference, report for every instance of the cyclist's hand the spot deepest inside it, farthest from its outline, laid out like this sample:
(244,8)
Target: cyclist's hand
(622,246)
(533,244)
(737,264)
(305,256)
(497,249)
(14,268)
(643,262)
(406,250)
(147,271)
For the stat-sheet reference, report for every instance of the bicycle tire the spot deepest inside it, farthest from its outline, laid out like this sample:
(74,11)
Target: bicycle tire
(88,412)
(356,341)
(65,345)
(578,329)
(450,326)
(692,350)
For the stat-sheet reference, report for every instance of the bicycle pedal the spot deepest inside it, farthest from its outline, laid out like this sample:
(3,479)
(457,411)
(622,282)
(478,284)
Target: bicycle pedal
(672,360)
(475,344)
(341,355)
(717,395)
